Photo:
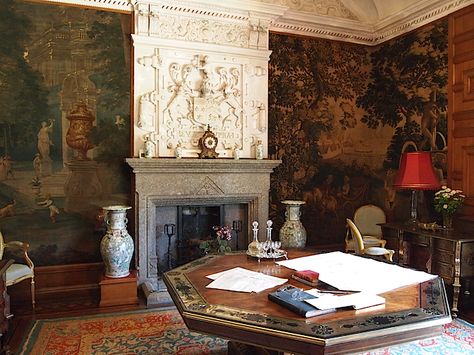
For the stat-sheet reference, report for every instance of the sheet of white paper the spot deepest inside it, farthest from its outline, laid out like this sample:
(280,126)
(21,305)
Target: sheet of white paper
(355,273)
(355,300)
(243,280)
(216,275)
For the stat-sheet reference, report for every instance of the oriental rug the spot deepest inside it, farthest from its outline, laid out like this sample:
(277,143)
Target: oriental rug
(164,332)
(139,332)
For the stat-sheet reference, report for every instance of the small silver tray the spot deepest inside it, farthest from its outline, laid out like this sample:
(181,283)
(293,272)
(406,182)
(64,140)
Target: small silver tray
(280,254)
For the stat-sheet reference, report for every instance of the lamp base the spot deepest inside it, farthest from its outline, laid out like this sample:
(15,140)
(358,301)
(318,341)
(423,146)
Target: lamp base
(413,221)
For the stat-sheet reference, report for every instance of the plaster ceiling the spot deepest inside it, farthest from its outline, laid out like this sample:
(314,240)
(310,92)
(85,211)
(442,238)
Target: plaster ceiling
(361,21)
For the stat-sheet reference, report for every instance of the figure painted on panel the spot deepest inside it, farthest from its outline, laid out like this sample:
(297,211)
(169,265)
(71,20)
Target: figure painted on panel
(8,210)
(429,121)
(8,166)
(37,165)
(48,203)
(44,140)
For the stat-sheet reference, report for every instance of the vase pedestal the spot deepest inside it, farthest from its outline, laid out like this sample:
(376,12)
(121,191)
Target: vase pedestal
(119,291)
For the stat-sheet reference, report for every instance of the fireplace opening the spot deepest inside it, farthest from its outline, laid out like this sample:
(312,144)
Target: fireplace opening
(181,229)
(195,224)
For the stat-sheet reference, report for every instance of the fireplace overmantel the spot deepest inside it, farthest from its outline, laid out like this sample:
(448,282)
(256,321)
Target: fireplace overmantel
(176,182)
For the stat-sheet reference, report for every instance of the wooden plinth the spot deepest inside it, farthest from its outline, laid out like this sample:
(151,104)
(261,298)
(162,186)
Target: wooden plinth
(120,291)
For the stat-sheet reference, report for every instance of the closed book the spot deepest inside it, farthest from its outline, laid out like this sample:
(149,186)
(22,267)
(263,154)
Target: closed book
(308,275)
(294,298)
(306,282)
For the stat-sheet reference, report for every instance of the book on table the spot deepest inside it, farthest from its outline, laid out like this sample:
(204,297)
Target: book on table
(294,298)
(308,277)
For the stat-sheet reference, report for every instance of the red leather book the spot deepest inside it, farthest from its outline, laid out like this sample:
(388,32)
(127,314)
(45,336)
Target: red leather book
(308,275)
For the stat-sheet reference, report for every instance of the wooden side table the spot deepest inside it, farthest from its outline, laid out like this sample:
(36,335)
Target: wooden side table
(450,253)
(119,291)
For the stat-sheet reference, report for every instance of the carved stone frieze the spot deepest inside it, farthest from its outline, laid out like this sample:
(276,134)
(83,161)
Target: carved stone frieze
(334,8)
(201,30)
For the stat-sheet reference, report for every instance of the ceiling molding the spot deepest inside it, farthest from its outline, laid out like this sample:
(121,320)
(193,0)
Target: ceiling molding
(317,18)
(418,14)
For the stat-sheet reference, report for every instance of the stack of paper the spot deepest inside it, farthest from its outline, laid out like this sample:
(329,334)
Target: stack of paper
(356,300)
(355,273)
(243,280)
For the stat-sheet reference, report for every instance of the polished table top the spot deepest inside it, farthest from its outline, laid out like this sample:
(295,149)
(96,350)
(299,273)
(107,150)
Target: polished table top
(410,313)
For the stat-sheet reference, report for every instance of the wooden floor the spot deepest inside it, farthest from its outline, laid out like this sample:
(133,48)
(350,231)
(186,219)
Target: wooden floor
(24,316)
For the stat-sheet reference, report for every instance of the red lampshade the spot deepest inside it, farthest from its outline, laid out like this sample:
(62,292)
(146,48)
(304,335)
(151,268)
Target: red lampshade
(416,172)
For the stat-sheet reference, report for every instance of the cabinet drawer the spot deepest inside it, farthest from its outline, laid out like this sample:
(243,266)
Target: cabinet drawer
(444,245)
(418,240)
(467,260)
(443,257)
(446,271)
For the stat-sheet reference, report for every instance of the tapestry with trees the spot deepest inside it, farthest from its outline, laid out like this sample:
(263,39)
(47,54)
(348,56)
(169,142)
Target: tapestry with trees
(64,126)
(341,114)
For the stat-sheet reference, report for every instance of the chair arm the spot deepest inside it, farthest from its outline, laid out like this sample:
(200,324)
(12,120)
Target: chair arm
(18,245)
(15,244)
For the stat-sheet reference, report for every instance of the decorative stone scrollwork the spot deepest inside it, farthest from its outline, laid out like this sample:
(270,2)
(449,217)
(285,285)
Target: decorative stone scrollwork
(150,61)
(259,115)
(147,111)
(162,22)
(142,14)
(258,34)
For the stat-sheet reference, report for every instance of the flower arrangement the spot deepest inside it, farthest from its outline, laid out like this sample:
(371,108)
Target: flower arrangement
(448,201)
(218,244)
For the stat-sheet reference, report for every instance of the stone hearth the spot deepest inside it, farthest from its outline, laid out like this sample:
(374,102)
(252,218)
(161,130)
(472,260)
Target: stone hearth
(177,182)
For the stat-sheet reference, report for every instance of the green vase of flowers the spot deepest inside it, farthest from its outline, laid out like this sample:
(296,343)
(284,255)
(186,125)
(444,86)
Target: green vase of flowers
(447,201)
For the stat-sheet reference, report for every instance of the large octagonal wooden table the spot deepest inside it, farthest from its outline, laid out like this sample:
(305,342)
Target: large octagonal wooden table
(410,313)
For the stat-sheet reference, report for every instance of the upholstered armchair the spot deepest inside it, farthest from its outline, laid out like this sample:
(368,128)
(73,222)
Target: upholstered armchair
(18,272)
(361,249)
(367,219)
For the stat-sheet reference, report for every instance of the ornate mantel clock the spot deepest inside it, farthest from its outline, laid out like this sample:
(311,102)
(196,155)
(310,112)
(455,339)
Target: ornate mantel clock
(208,145)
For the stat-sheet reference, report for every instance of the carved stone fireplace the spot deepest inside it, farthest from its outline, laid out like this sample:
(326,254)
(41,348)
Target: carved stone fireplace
(198,67)
(164,182)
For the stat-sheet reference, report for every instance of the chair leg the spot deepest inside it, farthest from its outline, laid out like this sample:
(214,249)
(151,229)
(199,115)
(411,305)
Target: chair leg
(389,256)
(33,301)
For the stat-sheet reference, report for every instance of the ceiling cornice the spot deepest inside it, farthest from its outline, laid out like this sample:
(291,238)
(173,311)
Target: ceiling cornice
(410,18)
(284,16)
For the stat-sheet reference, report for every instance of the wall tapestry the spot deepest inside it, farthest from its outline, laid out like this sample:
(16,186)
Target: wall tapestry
(64,127)
(340,116)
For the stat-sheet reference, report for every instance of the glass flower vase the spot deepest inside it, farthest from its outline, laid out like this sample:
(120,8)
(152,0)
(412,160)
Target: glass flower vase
(447,221)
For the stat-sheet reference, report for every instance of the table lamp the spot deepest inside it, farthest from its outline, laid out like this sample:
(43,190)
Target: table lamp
(416,173)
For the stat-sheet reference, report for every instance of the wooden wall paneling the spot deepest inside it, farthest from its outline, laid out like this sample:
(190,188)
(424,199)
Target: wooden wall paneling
(461,106)
(62,281)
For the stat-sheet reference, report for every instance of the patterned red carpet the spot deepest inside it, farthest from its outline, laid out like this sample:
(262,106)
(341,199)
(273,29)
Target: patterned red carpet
(144,332)
(163,332)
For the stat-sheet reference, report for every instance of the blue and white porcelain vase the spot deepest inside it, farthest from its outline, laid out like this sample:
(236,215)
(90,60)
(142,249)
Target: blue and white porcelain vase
(293,233)
(116,246)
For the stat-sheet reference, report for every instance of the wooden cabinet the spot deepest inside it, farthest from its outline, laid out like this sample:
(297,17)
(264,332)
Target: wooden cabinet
(447,253)
(461,106)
